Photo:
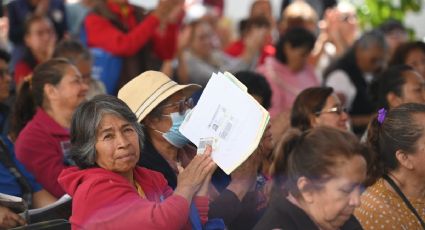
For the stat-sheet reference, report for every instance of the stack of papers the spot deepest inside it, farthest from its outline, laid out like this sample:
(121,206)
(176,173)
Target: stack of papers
(229,119)
(16,204)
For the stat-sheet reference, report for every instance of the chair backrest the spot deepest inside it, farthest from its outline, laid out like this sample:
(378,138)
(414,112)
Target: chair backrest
(57,224)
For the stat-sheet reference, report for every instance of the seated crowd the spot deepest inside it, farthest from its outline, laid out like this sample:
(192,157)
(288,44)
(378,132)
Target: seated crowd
(343,148)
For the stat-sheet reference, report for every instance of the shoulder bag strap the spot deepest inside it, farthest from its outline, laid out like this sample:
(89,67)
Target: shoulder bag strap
(404,198)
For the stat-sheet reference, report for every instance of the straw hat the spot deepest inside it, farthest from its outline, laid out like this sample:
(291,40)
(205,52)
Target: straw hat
(146,91)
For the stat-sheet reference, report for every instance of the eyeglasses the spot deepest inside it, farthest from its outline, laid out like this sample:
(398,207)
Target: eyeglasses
(183,105)
(348,18)
(337,109)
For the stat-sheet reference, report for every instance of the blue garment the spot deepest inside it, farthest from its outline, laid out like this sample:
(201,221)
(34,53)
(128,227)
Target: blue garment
(8,183)
(75,12)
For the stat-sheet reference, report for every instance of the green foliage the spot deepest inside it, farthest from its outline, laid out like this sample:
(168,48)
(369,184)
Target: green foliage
(372,13)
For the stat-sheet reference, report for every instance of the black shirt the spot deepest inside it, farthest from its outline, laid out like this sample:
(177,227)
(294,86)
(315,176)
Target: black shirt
(282,214)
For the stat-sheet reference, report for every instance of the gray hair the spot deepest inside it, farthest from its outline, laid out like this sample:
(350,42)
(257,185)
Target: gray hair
(372,38)
(85,122)
(72,50)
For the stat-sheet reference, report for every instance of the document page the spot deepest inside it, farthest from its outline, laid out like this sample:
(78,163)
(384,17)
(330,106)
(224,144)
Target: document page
(230,117)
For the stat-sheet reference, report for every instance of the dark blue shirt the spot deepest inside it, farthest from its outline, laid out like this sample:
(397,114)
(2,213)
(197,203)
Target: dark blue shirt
(8,182)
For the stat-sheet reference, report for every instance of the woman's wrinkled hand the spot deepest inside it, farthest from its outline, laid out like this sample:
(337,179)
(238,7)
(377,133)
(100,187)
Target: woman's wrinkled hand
(205,187)
(9,219)
(197,174)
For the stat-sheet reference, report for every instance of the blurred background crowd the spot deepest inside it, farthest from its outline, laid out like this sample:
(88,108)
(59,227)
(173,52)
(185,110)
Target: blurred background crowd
(310,63)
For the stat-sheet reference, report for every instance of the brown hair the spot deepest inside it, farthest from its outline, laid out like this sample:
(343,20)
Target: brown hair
(312,154)
(398,131)
(72,50)
(400,54)
(35,18)
(307,103)
(31,93)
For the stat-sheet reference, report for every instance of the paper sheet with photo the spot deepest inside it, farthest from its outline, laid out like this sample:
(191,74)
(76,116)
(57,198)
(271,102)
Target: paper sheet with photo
(229,115)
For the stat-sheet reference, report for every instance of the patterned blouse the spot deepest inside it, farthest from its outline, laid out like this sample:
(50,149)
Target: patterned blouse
(381,208)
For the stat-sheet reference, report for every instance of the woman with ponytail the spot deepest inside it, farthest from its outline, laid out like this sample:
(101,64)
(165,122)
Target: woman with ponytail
(318,176)
(396,198)
(42,118)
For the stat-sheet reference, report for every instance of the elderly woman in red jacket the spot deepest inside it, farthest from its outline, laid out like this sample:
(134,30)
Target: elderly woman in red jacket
(106,140)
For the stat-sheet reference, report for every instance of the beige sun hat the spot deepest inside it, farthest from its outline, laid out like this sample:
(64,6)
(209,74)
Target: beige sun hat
(146,91)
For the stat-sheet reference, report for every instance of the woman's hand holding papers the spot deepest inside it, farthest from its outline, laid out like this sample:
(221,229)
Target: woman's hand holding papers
(196,176)
(244,176)
(205,187)
(266,143)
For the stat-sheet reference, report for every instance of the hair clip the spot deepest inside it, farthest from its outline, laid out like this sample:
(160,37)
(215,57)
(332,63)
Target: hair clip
(381,115)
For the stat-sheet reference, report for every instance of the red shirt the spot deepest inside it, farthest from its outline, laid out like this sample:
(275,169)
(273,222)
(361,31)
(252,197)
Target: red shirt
(22,70)
(236,49)
(41,147)
(103,34)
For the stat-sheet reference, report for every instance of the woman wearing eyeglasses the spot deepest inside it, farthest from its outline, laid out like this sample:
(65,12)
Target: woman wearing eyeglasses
(318,106)
(161,105)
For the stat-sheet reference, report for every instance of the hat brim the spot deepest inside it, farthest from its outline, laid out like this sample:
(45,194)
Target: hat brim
(187,90)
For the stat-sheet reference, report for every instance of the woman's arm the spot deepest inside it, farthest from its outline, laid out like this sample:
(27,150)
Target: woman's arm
(42,198)
(42,158)
(103,34)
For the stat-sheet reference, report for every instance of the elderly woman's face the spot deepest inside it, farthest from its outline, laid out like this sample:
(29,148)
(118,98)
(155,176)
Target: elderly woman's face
(334,202)
(175,103)
(117,145)
(333,114)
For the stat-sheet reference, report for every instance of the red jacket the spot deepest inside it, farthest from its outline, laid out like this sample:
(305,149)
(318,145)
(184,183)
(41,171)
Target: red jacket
(236,49)
(103,34)
(41,147)
(103,199)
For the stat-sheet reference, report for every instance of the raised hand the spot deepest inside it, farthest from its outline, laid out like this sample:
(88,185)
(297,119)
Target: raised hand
(165,8)
(204,189)
(190,179)
(255,39)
